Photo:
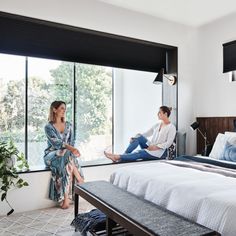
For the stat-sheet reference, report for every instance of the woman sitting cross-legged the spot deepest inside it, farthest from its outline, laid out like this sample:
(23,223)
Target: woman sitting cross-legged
(163,135)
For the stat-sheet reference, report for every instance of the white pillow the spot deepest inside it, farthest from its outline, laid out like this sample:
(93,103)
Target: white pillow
(218,147)
(231,137)
(228,133)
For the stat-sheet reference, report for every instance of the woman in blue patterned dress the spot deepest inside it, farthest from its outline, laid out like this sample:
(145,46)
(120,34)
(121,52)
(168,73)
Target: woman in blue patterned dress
(61,156)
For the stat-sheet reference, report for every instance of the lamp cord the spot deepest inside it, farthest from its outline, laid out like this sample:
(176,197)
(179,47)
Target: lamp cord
(12,210)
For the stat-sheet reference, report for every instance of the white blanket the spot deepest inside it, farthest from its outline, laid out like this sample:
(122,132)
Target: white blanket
(206,198)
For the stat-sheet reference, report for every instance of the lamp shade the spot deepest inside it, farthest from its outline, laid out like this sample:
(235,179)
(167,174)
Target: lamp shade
(159,77)
(195,125)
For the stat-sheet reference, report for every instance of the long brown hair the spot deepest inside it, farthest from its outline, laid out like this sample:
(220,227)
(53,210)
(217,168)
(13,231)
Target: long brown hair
(52,116)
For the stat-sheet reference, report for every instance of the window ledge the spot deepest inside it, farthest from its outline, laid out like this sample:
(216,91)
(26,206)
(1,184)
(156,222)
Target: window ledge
(43,168)
(34,169)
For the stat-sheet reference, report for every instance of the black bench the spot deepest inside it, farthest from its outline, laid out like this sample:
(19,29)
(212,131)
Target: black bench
(138,216)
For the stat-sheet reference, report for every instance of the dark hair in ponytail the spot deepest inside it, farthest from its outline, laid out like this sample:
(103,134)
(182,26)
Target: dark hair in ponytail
(166,110)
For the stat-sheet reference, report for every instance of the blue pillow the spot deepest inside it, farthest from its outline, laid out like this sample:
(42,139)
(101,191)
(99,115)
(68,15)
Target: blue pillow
(229,153)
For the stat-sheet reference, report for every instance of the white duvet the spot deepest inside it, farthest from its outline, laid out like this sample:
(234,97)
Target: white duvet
(206,198)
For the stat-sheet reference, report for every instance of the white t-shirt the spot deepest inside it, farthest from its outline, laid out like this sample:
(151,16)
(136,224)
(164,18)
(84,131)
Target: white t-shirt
(162,137)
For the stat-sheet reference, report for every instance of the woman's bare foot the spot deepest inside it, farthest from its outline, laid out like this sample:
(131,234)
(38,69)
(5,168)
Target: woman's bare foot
(65,204)
(66,201)
(111,156)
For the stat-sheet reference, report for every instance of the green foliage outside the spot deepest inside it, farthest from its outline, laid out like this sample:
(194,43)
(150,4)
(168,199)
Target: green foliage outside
(94,90)
(92,98)
(12,107)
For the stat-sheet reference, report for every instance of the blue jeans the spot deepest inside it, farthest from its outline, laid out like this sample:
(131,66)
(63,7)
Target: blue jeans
(140,141)
(141,154)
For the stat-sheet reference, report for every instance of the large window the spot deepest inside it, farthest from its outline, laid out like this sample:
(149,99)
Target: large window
(86,89)
(105,105)
(104,115)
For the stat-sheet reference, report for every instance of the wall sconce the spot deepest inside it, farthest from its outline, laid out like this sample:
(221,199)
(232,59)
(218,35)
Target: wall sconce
(195,126)
(172,79)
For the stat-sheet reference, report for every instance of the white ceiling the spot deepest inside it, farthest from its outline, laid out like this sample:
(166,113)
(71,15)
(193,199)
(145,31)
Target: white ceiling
(189,12)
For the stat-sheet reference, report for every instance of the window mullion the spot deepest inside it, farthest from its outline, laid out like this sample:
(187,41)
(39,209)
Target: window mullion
(74,99)
(26,108)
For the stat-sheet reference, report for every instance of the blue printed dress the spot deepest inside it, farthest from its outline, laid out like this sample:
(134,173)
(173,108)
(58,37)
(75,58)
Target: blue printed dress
(60,160)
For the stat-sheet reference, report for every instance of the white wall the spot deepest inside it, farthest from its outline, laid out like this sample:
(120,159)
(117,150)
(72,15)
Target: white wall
(215,95)
(102,17)
(29,198)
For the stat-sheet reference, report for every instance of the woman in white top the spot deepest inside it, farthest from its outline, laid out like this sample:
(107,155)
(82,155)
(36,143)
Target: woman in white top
(163,135)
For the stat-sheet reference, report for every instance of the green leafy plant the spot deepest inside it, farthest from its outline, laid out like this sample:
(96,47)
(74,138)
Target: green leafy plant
(11,162)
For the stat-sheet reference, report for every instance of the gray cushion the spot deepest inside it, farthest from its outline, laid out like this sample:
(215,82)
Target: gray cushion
(181,143)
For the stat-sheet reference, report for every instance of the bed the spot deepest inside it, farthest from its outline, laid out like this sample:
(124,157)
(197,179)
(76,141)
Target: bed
(206,197)
(202,189)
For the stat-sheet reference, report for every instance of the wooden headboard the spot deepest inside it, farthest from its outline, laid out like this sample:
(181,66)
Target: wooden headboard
(212,126)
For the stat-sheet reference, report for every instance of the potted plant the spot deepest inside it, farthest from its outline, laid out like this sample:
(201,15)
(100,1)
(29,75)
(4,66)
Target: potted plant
(11,162)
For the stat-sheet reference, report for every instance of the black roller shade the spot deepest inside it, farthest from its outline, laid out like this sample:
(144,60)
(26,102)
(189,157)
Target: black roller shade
(32,37)
(229,56)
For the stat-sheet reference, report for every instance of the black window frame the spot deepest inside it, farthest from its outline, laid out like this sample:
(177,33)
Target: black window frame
(31,37)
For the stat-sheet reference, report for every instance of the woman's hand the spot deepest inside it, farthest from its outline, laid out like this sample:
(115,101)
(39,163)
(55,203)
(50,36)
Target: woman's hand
(152,148)
(76,152)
